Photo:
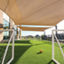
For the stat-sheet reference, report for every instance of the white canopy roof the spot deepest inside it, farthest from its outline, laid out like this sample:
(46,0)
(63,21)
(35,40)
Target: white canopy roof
(34,12)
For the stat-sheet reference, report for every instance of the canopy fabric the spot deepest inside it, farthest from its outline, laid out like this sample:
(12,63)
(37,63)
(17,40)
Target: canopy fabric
(34,12)
(33,28)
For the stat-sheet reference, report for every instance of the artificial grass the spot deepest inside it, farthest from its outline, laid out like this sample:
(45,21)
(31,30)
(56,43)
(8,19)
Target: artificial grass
(28,52)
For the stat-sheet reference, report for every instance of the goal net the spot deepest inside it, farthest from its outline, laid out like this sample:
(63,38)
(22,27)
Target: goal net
(6,46)
(58,46)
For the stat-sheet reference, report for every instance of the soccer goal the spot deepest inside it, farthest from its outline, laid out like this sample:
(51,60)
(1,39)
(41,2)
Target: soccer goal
(6,46)
(58,46)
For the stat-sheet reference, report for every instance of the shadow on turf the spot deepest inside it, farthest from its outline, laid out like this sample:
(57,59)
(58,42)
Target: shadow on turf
(23,41)
(19,51)
(63,46)
(51,62)
(39,52)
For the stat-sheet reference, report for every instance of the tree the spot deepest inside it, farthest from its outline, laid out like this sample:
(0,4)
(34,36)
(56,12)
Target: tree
(44,37)
(37,36)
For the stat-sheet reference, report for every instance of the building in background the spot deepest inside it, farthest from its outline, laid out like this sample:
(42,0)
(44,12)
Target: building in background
(5,24)
(1,25)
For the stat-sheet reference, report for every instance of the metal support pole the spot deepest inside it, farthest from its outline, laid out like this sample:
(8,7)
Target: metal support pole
(40,38)
(17,34)
(52,45)
(12,49)
(53,48)
(6,49)
(20,34)
(56,30)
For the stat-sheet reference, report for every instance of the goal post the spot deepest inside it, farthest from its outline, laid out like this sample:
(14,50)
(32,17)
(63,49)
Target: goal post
(10,42)
(54,37)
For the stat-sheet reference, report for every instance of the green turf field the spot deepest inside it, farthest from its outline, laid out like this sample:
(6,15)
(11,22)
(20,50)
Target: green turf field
(28,52)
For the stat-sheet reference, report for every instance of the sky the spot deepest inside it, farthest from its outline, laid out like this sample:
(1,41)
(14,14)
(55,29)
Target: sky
(60,25)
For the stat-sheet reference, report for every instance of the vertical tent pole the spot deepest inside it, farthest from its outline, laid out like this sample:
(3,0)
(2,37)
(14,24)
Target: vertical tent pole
(40,38)
(56,29)
(44,33)
(13,44)
(21,34)
(17,34)
(9,26)
(52,45)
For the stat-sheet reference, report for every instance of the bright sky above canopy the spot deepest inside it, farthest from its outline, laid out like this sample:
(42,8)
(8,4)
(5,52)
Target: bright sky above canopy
(34,26)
